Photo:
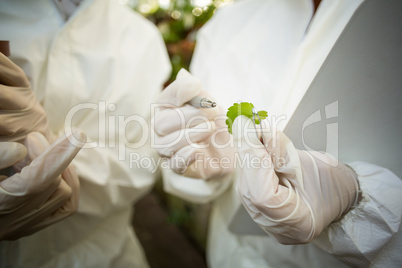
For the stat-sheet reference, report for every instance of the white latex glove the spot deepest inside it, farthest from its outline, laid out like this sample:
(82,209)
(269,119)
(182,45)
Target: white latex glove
(45,191)
(20,112)
(293,195)
(196,139)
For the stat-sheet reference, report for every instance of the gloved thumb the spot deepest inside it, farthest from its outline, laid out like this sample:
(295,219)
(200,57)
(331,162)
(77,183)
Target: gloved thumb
(47,166)
(245,136)
(257,175)
(182,90)
(258,185)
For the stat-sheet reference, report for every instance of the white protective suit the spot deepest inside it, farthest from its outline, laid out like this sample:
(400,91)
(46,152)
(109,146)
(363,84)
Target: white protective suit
(245,52)
(114,59)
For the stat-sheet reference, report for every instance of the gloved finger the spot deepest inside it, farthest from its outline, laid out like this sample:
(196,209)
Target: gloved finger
(44,170)
(184,157)
(258,185)
(18,210)
(57,206)
(36,144)
(11,153)
(59,197)
(37,218)
(182,90)
(13,128)
(284,155)
(11,74)
(202,163)
(63,203)
(27,208)
(167,121)
(71,178)
(16,98)
(169,144)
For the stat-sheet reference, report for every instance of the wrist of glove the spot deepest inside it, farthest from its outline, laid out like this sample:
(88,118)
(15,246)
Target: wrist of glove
(195,140)
(293,195)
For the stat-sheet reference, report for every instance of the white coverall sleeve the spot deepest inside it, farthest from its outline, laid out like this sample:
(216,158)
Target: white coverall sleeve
(369,234)
(195,190)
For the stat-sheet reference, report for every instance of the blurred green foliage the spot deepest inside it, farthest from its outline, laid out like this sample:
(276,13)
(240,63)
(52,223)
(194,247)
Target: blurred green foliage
(179,21)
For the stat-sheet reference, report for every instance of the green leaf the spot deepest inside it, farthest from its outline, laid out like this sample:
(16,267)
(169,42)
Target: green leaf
(243,108)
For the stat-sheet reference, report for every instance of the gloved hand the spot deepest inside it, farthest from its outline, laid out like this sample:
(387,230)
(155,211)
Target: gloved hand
(20,112)
(195,139)
(293,195)
(38,196)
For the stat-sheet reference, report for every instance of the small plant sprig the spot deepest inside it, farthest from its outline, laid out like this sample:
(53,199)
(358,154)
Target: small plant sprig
(243,108)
